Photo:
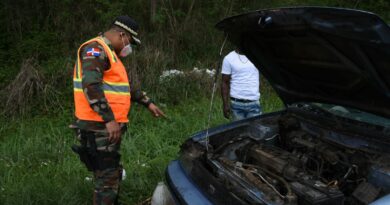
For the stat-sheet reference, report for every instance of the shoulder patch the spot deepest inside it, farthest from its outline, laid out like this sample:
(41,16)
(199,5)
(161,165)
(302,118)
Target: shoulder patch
(94,52)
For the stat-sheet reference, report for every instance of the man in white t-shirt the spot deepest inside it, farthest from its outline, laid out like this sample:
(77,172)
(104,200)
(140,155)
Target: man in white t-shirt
(240,87)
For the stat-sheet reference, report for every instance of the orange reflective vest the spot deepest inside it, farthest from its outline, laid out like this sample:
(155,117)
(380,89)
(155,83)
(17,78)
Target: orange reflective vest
(115,86)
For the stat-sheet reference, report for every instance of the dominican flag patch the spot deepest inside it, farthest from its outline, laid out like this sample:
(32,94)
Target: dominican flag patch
(93,52)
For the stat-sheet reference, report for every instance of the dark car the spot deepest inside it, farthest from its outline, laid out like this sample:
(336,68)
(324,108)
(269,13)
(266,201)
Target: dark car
(330,145)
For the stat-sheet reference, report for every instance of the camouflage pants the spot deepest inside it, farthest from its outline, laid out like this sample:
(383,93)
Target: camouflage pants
(104,162)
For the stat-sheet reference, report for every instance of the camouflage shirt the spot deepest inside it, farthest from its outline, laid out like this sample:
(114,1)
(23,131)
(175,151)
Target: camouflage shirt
(93,68)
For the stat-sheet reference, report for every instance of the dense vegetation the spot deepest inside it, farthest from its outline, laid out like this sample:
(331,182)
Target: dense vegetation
(37,51)
(43,36)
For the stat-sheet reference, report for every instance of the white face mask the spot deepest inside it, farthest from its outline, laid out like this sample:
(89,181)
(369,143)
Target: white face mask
(126,50)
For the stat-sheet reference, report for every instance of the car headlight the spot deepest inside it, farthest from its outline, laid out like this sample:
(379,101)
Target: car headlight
(162,195)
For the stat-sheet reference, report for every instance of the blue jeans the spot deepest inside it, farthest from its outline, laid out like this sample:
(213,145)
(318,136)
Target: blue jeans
(242,110)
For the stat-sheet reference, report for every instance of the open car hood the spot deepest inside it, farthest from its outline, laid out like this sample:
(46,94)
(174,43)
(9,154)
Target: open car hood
(314,54)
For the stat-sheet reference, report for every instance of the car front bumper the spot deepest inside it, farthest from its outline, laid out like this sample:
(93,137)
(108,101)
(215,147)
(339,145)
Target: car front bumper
(182,187)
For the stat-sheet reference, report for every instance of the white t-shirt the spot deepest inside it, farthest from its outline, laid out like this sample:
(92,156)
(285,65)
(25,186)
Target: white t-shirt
(244,83)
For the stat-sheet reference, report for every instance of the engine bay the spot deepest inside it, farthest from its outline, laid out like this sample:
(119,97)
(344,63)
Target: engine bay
(288,165)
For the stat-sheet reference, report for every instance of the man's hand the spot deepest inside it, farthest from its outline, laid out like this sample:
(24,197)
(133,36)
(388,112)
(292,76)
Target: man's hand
(114,131)
(156,112)
(226,111)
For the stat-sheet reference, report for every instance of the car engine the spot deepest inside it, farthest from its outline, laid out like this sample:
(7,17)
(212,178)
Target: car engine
(294,166)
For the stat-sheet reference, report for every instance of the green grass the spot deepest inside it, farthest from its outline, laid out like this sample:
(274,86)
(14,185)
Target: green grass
(37,165)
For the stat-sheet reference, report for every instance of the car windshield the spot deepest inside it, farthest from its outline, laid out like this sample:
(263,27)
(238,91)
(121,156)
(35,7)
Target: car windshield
(354,114)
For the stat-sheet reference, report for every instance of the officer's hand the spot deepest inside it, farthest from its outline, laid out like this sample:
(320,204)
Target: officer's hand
(156,112)
(226,111)
(114,131)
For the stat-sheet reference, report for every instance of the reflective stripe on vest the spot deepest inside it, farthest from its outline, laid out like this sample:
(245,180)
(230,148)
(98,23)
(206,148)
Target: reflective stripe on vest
(108,87)
(115,86)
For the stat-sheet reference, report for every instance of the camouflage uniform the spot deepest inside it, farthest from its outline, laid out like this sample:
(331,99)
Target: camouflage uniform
(93,135)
